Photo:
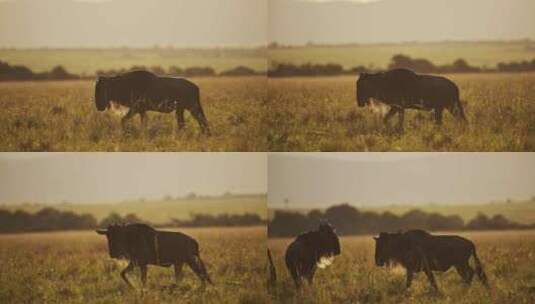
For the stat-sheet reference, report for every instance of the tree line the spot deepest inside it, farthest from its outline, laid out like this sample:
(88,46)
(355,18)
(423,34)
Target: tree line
(50,219)
(349,220)
(20,72)
(419,65)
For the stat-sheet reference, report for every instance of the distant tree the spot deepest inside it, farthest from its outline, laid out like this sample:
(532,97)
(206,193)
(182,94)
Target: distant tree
(199,71)
(175,71)
(157,70)
(112,218)
(191,196)
(132,218)
(418,65)
(238,71)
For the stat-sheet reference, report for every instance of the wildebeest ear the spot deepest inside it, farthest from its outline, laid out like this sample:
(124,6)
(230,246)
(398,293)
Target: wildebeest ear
(101,231)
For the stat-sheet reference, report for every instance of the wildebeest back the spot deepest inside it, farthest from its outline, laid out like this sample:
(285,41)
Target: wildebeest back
(175,246)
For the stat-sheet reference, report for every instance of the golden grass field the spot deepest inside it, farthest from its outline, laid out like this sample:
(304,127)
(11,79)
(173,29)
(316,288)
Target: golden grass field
(297,114)
(160,211)
(482,54)
(321,114)
(87,61)
(61,116)
(74,267)
(508,258)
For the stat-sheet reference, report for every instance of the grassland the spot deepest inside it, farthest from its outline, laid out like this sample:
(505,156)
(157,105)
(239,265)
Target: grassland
(61,116)
(160,211)
(320,114)
(74,267)
(508,259)
(482,54)
(88,61)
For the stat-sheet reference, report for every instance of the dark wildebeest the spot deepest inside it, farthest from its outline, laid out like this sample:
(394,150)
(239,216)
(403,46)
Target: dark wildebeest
(403,89)
(142,91)
(417,251)
(310,250)
(142,245)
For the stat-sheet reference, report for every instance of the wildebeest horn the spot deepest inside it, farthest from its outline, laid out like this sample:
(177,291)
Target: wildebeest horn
(101,231)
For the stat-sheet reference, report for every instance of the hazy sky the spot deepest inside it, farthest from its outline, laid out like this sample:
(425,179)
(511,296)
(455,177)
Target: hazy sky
(209,23)
(112,177)
(338,21)
(135,23)
(324,179)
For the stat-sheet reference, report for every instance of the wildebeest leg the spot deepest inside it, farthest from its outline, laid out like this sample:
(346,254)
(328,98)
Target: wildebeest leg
(479,270)
(389,115)
(310,275)
(401,112)
(466,272)
(457,111)
(196,267)
(295,276)
(180,118)
(128,268)
(410,276)
(204,271)
(431,278)
(144,118)
(143,269)
(128,115)
(199,116)
(438,116)
(178,271)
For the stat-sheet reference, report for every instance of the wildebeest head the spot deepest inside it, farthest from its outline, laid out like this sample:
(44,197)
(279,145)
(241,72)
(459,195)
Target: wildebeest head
(102,99)
(364,89)
(385,248)
(117,240)
(330,245)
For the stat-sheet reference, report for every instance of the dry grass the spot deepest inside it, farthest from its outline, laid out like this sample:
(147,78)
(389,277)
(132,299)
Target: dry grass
(321,114)
(508,259)
(61,116)
(74,267)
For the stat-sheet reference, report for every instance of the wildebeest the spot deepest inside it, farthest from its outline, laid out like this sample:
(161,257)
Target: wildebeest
(403,89)
(417,251)
(310,250)
(142,91)
(143,245)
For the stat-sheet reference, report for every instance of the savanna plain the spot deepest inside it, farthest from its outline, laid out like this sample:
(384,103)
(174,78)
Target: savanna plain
(507,257)
(61,116)
(321,114)
(251,113)
(74,267)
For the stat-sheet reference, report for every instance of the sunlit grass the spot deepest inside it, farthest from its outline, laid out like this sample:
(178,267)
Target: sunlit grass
(74,267)
(353,277)
(321,114)
(61,116)
(481,54)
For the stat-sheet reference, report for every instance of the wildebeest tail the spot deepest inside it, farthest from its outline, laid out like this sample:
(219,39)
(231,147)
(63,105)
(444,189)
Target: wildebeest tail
(479,270)
(202,268)
(272,271)
(198,108)
(460,110)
